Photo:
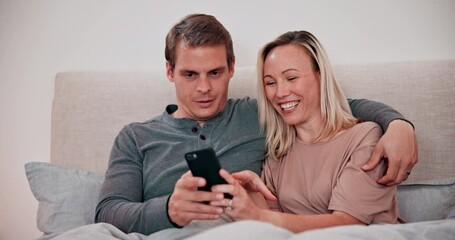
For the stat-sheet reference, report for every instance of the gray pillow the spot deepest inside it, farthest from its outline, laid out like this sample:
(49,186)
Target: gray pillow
(428,200)
(66,197)
(451,213)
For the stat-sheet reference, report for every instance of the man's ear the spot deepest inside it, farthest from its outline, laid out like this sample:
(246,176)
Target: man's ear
(232,67)
(169,72)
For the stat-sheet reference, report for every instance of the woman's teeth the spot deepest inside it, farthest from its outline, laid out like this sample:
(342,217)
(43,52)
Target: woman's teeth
(289,105)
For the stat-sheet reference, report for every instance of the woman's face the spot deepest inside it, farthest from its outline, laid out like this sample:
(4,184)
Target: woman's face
(292,85)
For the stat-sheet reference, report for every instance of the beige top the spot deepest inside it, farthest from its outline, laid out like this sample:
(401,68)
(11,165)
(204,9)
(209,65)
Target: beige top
(324,177)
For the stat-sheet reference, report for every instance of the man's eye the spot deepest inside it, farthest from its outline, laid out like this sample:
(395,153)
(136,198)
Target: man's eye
(190,75)
(214,73)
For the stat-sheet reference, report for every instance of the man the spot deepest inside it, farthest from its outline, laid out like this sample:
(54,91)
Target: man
(148,187)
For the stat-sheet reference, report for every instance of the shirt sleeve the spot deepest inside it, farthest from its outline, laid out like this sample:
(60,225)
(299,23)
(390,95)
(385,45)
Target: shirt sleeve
(356,191)
(121,202)
(267,178)
(382,114)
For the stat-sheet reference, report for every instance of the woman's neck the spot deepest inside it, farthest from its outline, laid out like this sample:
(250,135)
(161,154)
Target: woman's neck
(308,131)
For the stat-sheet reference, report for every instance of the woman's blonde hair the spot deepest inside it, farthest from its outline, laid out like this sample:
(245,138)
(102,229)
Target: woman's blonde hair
(334,106)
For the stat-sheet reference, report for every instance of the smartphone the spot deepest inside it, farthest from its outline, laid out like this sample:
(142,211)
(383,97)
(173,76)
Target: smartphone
(204,163)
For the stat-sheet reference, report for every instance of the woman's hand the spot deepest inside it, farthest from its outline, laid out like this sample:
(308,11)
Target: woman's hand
(241,206)
(253,183)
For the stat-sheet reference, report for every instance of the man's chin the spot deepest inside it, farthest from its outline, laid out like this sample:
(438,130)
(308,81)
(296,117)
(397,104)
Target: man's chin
(206,115)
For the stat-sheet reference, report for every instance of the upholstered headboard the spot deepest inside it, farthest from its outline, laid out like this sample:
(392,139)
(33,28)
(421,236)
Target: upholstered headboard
(89,108)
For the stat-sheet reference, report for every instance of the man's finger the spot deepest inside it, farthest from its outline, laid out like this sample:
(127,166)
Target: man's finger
(376,156)
(188,216)
(195,205)
(401,176)
(403,173)
(390,176)
(220,203)
(190,182)
(187,174)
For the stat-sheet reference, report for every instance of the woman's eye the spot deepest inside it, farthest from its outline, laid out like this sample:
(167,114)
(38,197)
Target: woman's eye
(291,78)
(268,83)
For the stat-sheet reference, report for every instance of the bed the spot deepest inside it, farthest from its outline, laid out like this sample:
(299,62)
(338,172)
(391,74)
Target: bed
(89,109)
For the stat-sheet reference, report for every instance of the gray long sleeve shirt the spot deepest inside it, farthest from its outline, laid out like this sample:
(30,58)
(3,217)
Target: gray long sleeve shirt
(147,158)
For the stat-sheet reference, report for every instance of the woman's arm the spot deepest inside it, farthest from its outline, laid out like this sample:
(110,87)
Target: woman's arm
(300,223)
(244,208)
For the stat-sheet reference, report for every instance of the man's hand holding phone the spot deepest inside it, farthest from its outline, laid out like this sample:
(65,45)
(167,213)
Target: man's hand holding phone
(186,202)
(192,192)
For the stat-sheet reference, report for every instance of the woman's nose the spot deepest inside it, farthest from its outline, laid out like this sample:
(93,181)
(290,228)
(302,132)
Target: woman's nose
(282,90)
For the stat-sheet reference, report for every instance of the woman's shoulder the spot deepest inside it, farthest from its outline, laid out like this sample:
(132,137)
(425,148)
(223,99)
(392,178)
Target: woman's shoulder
(369,132)
(367,127)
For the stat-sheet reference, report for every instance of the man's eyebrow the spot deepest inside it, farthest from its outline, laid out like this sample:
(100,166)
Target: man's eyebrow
(218,69)
(185,71)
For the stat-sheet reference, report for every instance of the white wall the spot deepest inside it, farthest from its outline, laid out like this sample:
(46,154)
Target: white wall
(40,38)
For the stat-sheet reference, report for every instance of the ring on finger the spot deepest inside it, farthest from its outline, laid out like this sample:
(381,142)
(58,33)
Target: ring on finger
(229,206)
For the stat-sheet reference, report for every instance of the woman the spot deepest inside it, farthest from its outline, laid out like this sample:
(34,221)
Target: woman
(316,148)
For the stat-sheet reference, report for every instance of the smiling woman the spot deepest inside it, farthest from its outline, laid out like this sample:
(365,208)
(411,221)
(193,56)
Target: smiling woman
(315,146)
(296,82)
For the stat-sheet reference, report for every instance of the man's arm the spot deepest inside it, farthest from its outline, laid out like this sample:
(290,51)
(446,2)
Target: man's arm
(377,112)
(398,144)
(121,200)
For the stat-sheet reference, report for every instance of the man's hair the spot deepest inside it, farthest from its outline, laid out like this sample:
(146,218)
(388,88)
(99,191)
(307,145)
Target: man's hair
(198,30)
(334,106)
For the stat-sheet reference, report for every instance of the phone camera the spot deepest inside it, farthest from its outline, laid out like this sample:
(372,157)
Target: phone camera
(191,156)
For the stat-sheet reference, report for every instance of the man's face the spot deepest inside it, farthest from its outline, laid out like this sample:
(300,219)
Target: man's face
(201,76)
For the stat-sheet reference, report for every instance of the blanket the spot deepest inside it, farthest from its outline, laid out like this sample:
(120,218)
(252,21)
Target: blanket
(205,230)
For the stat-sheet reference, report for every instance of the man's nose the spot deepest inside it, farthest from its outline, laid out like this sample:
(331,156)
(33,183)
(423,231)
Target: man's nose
(204,84)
